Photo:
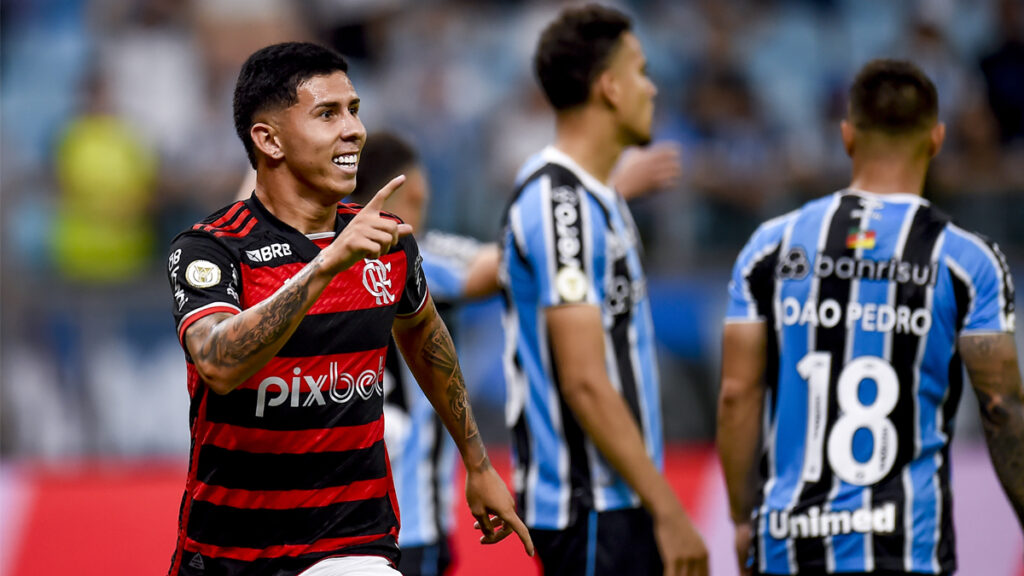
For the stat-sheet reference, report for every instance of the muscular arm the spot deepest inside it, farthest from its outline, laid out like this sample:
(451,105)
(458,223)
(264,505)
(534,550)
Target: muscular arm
(740,403)
(991,361)
(430,354)
(577,339)
(227,349)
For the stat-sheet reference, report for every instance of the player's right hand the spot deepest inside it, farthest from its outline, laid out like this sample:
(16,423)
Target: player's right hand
(368,235)
(744,532)
(682,549)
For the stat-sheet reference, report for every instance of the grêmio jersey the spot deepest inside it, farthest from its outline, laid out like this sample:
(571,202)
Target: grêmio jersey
(291,466)
(570,240)
(422,453)
(864,297)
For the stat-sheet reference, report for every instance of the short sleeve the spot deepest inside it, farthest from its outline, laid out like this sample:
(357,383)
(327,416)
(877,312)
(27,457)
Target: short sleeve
(992,308)
(562,235)
(752,276)
(414,297)
(204,280)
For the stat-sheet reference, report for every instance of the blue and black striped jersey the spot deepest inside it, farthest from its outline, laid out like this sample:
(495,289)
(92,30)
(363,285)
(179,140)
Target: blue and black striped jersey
(864,296)
(569,239)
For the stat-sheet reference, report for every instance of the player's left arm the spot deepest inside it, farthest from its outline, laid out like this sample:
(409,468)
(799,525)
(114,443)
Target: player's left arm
(740,404)
(429,351)
(991,361)
(647,169)
(482,273)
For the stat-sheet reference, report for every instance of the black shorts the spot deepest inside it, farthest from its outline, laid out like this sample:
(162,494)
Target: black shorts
(601,544)
(431,560)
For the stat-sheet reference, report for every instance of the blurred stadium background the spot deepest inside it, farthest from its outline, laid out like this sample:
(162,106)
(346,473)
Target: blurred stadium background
(117,133)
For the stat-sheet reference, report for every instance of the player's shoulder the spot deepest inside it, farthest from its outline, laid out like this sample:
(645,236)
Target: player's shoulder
(221,227)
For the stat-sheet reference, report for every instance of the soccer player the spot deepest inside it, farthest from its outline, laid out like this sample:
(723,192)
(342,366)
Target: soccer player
(583,397)
(284,305)
(848,324)
(457,269)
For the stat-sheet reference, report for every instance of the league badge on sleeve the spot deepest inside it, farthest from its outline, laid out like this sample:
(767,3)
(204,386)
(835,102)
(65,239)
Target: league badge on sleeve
(571,284)
(202,274)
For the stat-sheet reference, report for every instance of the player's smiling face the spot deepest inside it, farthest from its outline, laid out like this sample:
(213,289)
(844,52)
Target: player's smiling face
(322,135)
(635,106)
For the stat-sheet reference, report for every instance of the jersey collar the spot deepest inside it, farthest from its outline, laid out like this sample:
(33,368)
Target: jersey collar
(901,197)
(555,156)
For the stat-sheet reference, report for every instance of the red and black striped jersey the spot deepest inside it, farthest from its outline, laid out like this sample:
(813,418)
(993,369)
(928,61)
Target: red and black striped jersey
(290,467)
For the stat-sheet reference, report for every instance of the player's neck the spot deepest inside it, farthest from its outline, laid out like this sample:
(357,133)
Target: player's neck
(889,175)
(304,212)
(589,142)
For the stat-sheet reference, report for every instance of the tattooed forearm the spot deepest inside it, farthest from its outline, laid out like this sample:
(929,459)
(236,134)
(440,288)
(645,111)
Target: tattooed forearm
(439,352)
(1003,419)
(991,362)
(237,340)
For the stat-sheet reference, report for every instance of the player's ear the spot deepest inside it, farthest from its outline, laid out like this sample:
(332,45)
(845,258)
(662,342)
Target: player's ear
(606,88)
(847,130)
(264,137)
(935,139)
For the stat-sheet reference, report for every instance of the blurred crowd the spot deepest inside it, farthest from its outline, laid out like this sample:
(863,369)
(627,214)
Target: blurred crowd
(117,133)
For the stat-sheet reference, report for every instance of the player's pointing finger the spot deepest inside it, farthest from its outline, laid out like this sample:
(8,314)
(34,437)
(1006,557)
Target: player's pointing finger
(382,195)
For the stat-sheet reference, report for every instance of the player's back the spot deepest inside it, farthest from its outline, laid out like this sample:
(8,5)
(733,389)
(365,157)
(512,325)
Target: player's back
(864,296)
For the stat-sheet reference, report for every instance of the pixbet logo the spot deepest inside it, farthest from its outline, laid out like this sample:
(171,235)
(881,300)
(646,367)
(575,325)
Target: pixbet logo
(376,281)
(339,387)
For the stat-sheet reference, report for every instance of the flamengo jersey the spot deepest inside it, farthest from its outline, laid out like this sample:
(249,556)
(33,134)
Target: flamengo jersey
(569,239)
(864,296)
(290,467)
(422,453)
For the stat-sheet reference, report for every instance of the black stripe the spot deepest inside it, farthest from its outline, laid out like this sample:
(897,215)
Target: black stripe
(582,496)
(621,305)
(287,566)
(811,551)
(762,288)
(1007,282)
(962,298)
(308,471)
(239,408)
(523,455)
(925,230)
(341,332)
(393,365)
(438,476)
(226,527)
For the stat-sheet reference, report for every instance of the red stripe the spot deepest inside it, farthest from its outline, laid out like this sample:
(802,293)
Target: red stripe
(190,486)
(291,499)
(240,233)
(193,319)
(251,554)
(230,214)
(234,224)
(258,441)
(345,292)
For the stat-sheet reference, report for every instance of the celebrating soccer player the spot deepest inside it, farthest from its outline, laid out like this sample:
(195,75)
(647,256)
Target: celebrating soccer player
(285,303)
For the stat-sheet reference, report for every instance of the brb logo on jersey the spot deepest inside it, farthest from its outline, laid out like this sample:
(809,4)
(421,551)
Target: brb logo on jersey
(376,281)
(269,252)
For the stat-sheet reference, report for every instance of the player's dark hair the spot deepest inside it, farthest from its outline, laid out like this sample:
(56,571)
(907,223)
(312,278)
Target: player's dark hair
(574,49)
(384,156)
(270,78)
(893,96)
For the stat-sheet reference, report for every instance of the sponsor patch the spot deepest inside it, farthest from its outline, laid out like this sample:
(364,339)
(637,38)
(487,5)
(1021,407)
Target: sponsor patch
(202,274)
(571,284)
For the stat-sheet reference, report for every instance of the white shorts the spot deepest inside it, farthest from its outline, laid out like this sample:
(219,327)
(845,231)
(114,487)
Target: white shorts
(352,566)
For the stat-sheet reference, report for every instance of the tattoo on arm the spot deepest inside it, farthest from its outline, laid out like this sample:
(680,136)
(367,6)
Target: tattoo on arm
(235,341)
(995,375)
(439,352)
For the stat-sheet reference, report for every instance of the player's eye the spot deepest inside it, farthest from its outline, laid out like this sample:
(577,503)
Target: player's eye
(327,114)
(354,110)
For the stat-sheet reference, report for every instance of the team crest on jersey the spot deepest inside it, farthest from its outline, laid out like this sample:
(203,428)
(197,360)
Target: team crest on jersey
(376,281)
(202,274)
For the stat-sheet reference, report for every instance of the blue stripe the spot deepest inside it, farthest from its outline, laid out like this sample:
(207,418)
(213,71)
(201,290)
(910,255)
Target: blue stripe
(591,543)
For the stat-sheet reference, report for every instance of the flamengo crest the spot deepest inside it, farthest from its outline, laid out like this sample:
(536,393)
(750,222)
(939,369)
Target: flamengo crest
(376,281)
